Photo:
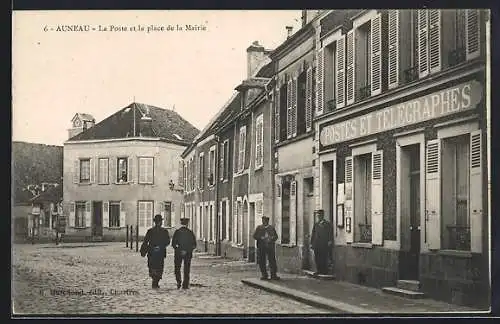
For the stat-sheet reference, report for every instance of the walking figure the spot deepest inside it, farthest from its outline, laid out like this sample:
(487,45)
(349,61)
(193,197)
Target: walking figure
(183,242)
(321,243)
(154,246)
(266,236)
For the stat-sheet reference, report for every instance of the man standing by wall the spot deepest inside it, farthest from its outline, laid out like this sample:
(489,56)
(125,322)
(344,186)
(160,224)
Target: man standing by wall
(266,236)
(321,243)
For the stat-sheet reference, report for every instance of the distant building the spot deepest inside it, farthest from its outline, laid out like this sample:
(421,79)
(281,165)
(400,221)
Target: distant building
(46,208)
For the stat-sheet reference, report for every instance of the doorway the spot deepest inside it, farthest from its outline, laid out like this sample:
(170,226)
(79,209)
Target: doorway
(97,218)
(252,223)
(410,212)
(308,215)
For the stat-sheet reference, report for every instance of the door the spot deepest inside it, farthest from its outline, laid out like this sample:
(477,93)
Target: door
(97,218)
(251,228)
(308,215)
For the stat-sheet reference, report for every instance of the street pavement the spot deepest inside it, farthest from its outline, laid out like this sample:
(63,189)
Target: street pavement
(108,278)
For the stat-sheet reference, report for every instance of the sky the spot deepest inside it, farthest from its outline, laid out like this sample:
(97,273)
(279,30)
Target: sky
(56,74)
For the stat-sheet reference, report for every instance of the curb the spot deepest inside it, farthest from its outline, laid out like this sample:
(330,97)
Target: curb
(306,298)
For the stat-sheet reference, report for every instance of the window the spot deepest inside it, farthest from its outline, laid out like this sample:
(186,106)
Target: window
(239,214)
(362,197)
(291,104)
(206,223)
(241,148)
(285,212)
(300,110)
(145,213)
(223,220)
(200,223)
(180,171)
(259,141)
(211,234)
(122,170)
(455,187)
(229,223)
(283,111)
(202,171)
(146,169)
(211,166)
(80,214)
(114,214)
(85,171)
(168,214)
(363,60)
(224,163)
(103,171)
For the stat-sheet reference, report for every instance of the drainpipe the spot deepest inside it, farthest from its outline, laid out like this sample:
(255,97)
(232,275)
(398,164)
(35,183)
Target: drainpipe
(216,179)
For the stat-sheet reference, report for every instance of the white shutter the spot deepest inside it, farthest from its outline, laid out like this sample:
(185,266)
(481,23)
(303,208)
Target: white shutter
(259,136)
(235,222)
(105,214)
(123,215)
(377,197)
(76,171)
(350,73)
(277,99)
(180,176)
(289,120)
(72,211)
(423,58)
(112,170)
(348,203)
(92,170)
(277,219)
(221,162)
(393,59)
(294,106)
(376,55)
(130,170)
(476,192)
(243,145)
(472,48)
(88,213)
(340,72)
(293,212)
(320,74)
(433,194)
(309,81)
(434,40)
(219,217)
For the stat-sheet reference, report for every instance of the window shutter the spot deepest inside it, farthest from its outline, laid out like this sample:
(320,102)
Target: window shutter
(259,208)
(259,134)
(277,99)
(433,195)
(181,173)
(105,214)
(112,170)
(278,209)
(88,213)
(377,197)
(320,76)
(76,171)
(423,58)
(309,82)
(350,67)
(221,162)
(340,72)
(376,55)
(476,192)
(289,108)
(93,170)
(434,40)
(219,217)
(348,202)
(235,222)
(123,214)
(294,106)
(72,210)
(393,59)
(293,212)
(472,34)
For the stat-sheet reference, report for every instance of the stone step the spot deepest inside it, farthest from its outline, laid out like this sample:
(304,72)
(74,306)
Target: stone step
(403,292)
(413,285)
(312,274)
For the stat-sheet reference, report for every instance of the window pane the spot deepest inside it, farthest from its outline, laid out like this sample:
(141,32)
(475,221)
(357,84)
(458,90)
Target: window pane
(122,170)
(84,170)
(114,214)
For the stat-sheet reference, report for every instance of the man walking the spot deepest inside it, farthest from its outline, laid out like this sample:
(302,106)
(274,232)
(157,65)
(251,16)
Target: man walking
(266,236)
(154,246)
(184,242)
(321,243)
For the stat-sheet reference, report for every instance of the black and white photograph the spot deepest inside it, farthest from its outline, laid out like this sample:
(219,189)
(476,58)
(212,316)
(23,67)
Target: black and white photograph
(326,162)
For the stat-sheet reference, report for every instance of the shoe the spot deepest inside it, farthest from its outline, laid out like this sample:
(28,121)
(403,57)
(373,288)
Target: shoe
(264,278)
(275,278)
(185,287)
(178,285)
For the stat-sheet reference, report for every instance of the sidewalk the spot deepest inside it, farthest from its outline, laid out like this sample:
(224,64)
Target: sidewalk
(350,298)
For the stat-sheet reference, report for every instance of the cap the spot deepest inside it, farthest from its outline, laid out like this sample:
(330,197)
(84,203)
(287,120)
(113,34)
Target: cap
(265,217)
(184,221)
(158,218)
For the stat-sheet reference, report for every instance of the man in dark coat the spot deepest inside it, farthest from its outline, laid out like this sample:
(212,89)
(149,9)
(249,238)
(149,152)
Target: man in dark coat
(321,242)
(184,242)
(154,246)
(266,236)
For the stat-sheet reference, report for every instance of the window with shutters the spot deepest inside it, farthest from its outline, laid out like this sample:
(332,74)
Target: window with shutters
(455,221)
(277,105)
(122,170)
(259,141)
(283,112)
(145,210)
(309,99)
(103,171)
(80,214)
(362,49)
(229,222)
(180,179)
(362,198)
(114,214)
(84,170)
(300,111)
(225,160)
(201,169)
(239,222)
(285,212)
(210,222)
(211,166)
(329,77)
(224,220)
(242,148)
(146,167)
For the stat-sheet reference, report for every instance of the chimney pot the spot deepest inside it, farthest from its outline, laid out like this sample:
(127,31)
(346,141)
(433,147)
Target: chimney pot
(289,30)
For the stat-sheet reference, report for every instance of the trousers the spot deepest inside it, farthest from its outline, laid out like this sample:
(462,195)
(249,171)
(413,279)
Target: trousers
(321,258)
(179,258)
(264,254)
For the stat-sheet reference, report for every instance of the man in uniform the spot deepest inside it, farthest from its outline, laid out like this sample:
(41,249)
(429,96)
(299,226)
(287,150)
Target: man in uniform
(154,246)
(184,242)
(266,236)
(321,243)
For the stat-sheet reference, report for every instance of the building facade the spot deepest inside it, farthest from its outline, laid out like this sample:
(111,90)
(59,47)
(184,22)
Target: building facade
(123,171)
(401,149)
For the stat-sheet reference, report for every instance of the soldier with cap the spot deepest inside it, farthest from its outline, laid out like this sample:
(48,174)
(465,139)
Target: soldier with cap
(266,236)
(321,242)
(183,242)
(154,246)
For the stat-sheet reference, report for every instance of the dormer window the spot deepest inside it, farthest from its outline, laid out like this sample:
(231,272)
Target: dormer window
(77,123)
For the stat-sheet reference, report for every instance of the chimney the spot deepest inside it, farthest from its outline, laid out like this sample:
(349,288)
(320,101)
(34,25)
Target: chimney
(146,126)
(289,30)
(308,15)
(255,55)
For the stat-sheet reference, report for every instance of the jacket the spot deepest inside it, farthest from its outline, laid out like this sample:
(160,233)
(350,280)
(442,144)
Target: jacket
(322,233)
(184,240)
(156,239)
(265,236)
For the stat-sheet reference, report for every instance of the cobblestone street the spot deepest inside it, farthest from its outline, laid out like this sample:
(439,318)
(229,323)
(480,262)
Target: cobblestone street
(114,280)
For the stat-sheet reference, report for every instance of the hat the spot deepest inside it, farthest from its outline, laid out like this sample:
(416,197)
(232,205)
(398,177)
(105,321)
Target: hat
(158,218)
(184,221)
(265,217)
